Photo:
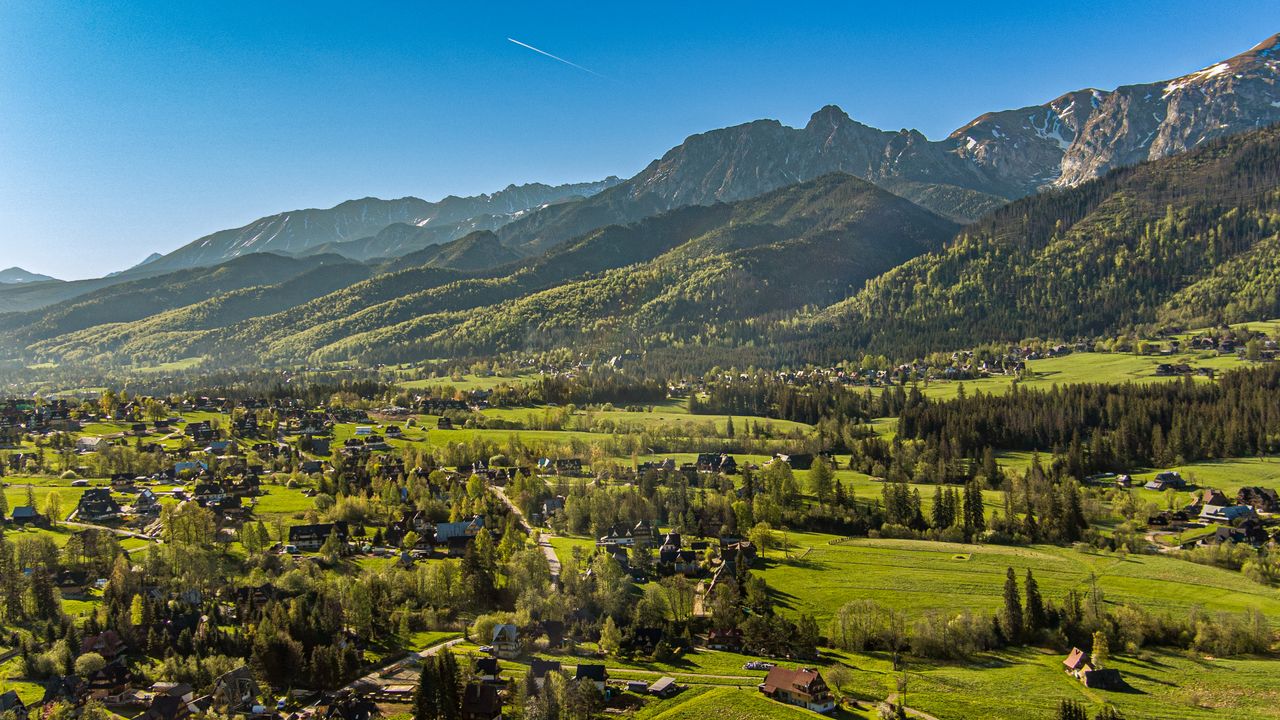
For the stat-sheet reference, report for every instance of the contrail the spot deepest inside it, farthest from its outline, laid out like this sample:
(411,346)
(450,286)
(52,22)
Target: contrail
(553,57)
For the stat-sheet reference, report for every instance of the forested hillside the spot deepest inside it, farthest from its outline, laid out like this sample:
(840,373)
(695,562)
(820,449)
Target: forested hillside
(1189,240)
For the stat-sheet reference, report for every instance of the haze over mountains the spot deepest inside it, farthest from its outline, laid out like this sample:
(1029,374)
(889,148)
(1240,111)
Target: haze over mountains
(747,224)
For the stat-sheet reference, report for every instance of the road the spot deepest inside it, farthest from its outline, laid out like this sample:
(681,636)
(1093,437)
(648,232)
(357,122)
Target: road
(544,539)
(115,531)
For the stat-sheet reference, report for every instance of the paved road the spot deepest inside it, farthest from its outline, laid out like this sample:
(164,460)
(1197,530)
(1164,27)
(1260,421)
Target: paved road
(544,539)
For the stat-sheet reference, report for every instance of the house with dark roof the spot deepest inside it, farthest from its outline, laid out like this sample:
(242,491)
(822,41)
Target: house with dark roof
(236,691)
(539,669)
(27,515)
(11,703)
(481,702)
(166,707)
(1259,498)
(597,674)
(802,687)
(310,538)
(97,505)
(486,669)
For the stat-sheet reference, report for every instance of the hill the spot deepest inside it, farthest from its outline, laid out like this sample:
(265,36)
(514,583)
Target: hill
(18,276)
(354,226)
(680,271)
(1188,240)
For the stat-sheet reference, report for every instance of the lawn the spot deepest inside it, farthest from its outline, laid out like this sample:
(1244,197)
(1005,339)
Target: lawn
(919,576)
(724,704)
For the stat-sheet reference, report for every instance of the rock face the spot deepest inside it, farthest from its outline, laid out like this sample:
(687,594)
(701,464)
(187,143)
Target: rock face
(1145,122)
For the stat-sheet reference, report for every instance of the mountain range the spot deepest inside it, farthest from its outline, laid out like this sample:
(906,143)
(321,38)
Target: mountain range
(18,276)
(835,230)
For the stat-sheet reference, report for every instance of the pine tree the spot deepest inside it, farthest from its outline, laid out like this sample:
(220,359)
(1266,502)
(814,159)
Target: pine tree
(426,699)
(1071,710)
(450,694)
(1012,607)
(1036,617)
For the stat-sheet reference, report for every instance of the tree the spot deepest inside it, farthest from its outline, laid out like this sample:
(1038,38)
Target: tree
(89,663)
(821,479)
(450,693)
(332,547)
(1070,710)
(53,507)
(610,637)
(1101,654)
(1036,617)
(1012,607)
(426,697)
(762,537)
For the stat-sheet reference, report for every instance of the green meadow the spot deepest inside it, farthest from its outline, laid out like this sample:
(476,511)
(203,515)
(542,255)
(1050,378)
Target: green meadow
(820,576)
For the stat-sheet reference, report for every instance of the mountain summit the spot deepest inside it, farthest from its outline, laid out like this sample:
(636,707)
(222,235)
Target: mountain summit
(18,276)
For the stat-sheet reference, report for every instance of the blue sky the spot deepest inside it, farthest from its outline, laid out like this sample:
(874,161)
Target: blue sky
(127,128)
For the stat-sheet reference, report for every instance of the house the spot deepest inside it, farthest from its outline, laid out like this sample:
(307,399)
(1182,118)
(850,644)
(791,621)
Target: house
(70,688)
(728,639)
(1078,666)
(444,423)
(1225,514)
(309,538)
(1251,532)
(1167,480)
(111,684)
(540,668)
(717,462)
(97,505)
(27,515)
(90,444)
(466,529)
(481,702)
(506,641)
(1259,498)
(167,707)
(236,691)
(486,669)
(597,674)
(11,703)
(1209,496)
(664,688)
(803,687)
(107,644)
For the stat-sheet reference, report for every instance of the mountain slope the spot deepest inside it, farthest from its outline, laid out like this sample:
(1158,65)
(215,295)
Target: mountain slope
(996,157)
(769,255)
(303,231)
(1187,240)
(136,299)
(18,276)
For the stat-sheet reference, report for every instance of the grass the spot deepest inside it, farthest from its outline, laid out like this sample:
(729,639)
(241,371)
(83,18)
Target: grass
(723,704)
(469,382)
(921,576)
(1084,368)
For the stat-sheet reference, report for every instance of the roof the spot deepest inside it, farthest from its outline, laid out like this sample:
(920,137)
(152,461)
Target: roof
(805,680)
(480,699)
(505,632)
(540,668)
(1076,659)
(662,685)
(592,672)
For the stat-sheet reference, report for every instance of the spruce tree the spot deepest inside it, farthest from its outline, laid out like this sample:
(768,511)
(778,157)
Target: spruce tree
(426,699)
(450,693)
(1012,607)
(1036,617)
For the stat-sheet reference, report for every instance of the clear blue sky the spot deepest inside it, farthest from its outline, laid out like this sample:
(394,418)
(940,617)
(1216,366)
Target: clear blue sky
(127,128)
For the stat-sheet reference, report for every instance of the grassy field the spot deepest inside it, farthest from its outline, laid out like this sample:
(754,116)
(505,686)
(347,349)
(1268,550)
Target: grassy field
(919,576)
(1084,368)
(469,382)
